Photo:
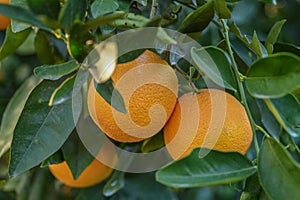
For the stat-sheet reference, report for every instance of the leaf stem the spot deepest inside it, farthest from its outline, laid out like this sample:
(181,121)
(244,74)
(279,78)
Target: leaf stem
(240,84)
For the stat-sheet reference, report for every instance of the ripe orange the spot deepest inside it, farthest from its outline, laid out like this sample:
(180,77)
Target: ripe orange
(93,174)
(4,21)
(212,119)
(149,87)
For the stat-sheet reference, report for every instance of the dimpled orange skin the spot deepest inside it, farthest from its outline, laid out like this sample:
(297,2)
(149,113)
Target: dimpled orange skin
(4,21)
(93,174)
(139,103)
(236,132)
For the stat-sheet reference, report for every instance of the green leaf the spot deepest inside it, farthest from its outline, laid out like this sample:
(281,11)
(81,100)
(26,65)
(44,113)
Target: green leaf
(287,112)
(278,172)
(76,155)
(296,93)
(254,45)
(41,130)
(105,19)
(198,20)
(268,120)
(12,41)
(50,8)
(115,183)
(213,62)
(55,72)
(77,45)
(221,9)
(273,76)
(101,7)
(23,15)
(108,92)
(55,158)
(142,2)
(72,12)
(16,25)
(285,47)
(273,35)
(252,188)
(63,92)
(44,49)
(214,169)
(148,190)
(153,143)
(13,112)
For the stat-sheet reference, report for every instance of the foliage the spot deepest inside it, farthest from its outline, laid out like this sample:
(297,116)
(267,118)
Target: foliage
(254,45)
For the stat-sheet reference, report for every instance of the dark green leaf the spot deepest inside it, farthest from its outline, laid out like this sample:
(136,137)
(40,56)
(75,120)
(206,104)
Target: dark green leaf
(254,45)
(287,112)
(148,190)
(41,130)
(101,7)
(114,184)
(55,72)
(213,62)
(50,8)
(221,9)
(12,41)
(296,93)
(23,15)
(72,12)
(105,19)
(17,25)
(76,155)
(214,169)
(273,35)
(13,112)
(63,92)
(252,188)
(153,143)
(198,20)
(285,47)
(268,120)
(43,48)
(108,92)
(274,76)
(90,193)
(278,172)
(55,158)
(77,45)
(142,2)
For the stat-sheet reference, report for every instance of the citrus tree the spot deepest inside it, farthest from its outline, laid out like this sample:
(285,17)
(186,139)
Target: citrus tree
(137,99)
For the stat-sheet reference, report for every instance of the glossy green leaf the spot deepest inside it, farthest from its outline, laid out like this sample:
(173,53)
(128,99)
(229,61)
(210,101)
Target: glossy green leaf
(255,45)
(78,45)
(76,155)
(44,49)
(108,92)
(221,9)
(287,112)
(278,172)
(41,129)
(101,7)
(268,120)
(115,183)
(50,8)
(213,62)
(154,143)
(142,2)
(214,169)
(252,188)
(13,112)
(12,41)
(63,92)
(55,72)
(16,25)
(198,20)
(273,76)
(23,15)
(55,158)
(148,190)
(273,35)
(73,11)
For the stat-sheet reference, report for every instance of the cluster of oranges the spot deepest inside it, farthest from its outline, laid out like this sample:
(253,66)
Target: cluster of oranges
(212,119)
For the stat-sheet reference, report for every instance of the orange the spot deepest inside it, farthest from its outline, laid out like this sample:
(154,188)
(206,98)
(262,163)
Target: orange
(149,87)
(212,119)
(4,21)
(93,174)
